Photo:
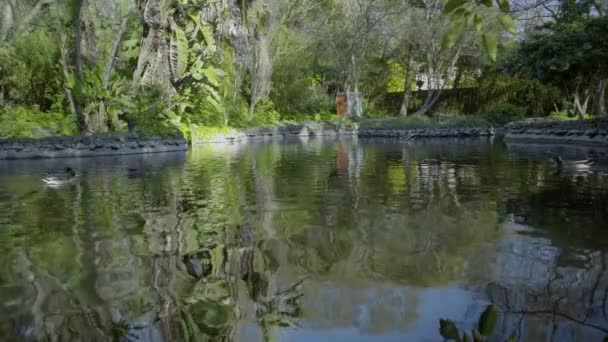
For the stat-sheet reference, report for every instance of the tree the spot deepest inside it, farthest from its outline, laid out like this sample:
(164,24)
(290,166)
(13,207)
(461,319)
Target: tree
(572,54)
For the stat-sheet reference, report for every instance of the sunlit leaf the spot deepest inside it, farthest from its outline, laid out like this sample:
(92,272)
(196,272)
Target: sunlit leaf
(507,23)
(478,22)
(451,5)
(458,14)
(453,34)
(490,44)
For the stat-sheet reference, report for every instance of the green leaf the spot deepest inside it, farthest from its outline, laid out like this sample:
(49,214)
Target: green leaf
(507,23)
(469,18)
(215,104)
(182,51)
(458,14)
(478,23)
(490,44)
(452,35)
(212,76)
(488,3)
(487,321)
(448,330)
(513,338)
(503,5)
(451,5)
(206,31)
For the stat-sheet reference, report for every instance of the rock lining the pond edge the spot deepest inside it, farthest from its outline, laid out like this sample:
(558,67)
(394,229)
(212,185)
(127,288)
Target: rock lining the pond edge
(306,131)
(87,146)
(586,132)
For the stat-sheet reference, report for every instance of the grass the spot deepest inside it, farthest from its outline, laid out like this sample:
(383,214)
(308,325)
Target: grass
(204,133)
(422,121)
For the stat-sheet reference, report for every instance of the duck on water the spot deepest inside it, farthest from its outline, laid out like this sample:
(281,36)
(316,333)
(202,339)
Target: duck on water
(59,177)
(575,164)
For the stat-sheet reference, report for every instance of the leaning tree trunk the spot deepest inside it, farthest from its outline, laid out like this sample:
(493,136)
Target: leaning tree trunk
(599,98)
(580,104)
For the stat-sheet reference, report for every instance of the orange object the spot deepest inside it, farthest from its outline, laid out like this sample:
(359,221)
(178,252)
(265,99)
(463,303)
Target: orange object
(341,105)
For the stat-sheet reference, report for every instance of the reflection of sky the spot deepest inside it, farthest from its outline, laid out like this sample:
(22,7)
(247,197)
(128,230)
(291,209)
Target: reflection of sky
(429,305)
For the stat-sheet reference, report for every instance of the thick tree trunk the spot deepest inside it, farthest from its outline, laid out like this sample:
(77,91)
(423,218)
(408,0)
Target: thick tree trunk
(599,98)
(581,103)
(407,91)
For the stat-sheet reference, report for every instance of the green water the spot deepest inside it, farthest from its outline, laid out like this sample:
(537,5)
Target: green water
(369,240)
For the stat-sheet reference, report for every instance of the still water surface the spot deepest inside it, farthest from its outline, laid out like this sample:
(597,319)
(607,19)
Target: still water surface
(369,240)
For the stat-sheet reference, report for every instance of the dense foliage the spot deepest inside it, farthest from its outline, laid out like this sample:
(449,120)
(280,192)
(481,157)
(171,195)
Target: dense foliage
(160,66)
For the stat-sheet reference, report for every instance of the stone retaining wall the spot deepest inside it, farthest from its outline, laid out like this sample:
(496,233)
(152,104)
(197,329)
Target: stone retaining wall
(427,132)
(87,146)
(586,132)
(288,131)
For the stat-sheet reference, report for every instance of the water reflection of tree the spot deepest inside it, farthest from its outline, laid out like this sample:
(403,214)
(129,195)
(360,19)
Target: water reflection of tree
(356,223)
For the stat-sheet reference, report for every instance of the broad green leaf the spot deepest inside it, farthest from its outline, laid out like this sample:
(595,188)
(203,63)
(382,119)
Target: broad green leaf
(487,321)
(215,104)
(451,5)
(212,76)
(488,3)
(196,19)
(182,51)
(490,44)
(503,5)
(206,31)
(448,330)
(507,23)
(197,76)
(454,32)
(478,23)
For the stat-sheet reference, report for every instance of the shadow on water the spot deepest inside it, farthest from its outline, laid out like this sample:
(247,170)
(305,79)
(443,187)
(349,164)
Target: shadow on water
(378,239)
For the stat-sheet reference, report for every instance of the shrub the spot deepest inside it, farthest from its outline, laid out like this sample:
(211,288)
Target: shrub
(28,122)
(503,113)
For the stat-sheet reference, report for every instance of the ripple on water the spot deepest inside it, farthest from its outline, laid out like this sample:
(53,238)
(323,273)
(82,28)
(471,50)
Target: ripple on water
(374,239)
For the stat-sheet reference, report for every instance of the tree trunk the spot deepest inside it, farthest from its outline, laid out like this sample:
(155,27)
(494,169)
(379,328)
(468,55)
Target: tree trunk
(407,91)
(82,125)
(74,107)
(581,107)
(431,98)
(102,122)
(599,98)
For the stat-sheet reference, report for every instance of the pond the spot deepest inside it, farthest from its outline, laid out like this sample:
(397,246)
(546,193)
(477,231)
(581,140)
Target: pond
(366,240)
